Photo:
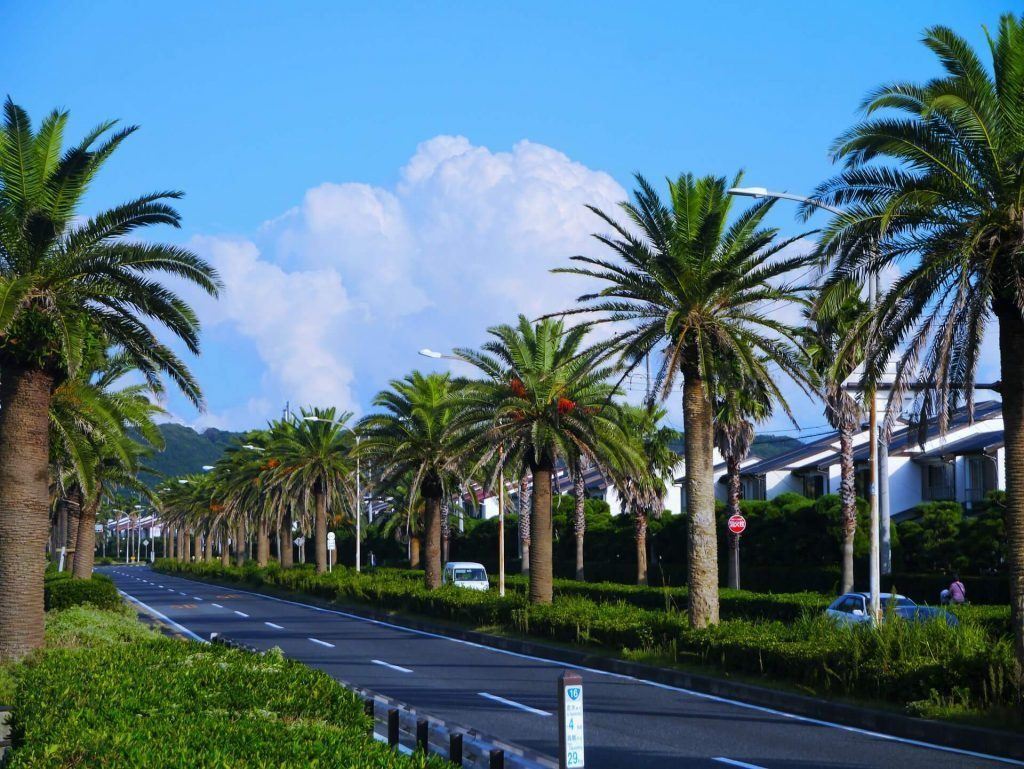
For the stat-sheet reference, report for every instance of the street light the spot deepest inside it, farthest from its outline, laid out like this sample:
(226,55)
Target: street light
(359,490)
(428,353)
(879,450)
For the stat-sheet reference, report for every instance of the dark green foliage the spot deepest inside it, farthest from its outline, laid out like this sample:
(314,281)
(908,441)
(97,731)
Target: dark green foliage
(902,664)
(60,591)
(186,451)
(943,539)
(137,700)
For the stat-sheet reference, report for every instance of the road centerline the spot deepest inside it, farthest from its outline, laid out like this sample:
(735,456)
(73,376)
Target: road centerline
(241,613)
(734,762)
(322,643)
(273,625)
(399,668)
(513,704)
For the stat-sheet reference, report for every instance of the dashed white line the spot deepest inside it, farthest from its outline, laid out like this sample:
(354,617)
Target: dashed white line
(196,598)
(241,613)
(182,593)
(399,668)
(734,762)
(322,643)
(217,605)
(513,704)
(271,624)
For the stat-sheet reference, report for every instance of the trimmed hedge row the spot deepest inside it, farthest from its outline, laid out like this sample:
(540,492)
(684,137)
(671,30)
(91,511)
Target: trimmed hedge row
(143,700)
(61,591)
(900,662)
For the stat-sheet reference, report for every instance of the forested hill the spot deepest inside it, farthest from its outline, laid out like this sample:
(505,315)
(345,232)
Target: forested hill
(186,451)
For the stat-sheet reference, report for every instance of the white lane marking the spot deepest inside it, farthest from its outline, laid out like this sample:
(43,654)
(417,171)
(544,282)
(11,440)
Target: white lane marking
(159,585)
(734,762)
(171,590)
(217,605)
(514,704)
(322,643)
(196,598)
(271,624)
(634,679)
(182,593)
(399,668)
(164,617)
(241,613)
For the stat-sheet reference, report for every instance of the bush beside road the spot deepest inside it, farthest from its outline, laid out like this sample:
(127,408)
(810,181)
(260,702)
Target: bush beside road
(106,691)
(922,668)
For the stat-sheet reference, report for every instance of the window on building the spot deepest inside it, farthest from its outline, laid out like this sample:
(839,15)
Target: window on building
(980,477)
(815,485)
(939,482)
(753,487)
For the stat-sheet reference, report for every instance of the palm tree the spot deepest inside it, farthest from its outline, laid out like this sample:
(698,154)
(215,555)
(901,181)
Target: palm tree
(417,436)
(933,178)
(545,397)
(833,353)
(703,290)
(524,504)
(316,465)
(642,490)
(739,404)
(64,280)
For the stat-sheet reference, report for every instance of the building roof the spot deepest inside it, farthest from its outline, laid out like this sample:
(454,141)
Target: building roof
(902,439)
(979,443)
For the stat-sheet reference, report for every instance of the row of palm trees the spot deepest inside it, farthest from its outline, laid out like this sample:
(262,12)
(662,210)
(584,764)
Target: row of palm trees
(932,181)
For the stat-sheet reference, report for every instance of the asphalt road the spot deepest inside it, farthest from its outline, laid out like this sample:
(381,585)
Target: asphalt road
(629,722)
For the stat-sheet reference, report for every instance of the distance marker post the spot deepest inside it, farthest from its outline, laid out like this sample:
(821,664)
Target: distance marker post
(570,721)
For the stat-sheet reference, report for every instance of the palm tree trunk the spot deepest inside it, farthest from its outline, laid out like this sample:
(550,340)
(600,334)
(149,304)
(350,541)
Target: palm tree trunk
(187,549)
(286,555)
(225,550)
(85,545)
(446,531)
(263,544)
(74,524)
(1011,337)
(432,537)
(320,530)
(541,586)
(240,544)
(848,500)
(700,498)
(524,526)
(169,542)
(197,545)
(640,528)
(733,508)
(414,552)
(580,519)
(208,545)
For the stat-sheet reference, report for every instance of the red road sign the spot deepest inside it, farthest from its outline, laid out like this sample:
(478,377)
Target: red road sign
(737,524)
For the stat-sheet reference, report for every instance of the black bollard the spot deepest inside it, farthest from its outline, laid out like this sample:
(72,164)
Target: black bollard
(455,748)
(392,726)
(497,759)
(423,734)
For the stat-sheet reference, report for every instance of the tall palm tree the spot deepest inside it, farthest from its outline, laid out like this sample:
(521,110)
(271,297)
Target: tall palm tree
(642,490)
(933,179)
(686,281)
(417,436)
(317,466)
(739,405)
(64,279)
(834,352)
(545,397)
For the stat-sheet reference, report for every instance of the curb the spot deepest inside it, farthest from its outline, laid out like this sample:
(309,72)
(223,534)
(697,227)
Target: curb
(941,733)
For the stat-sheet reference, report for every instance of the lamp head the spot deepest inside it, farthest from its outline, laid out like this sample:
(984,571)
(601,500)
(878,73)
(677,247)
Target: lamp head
(428,353)
(749,192)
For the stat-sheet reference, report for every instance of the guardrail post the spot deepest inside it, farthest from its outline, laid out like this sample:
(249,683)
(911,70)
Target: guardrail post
(423,734)
(455,748)
(392,726)
(497,759)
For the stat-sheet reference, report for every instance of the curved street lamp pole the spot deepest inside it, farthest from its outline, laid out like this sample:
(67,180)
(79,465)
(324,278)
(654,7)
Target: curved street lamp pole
(878,492)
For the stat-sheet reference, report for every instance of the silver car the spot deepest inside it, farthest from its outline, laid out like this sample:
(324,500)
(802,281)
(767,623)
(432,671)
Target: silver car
(852,609)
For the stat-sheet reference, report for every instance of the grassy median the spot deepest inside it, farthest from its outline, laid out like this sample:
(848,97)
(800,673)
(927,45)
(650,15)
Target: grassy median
(106,691)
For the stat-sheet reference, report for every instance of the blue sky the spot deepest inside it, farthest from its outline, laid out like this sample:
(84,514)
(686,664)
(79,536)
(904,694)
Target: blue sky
(375,178)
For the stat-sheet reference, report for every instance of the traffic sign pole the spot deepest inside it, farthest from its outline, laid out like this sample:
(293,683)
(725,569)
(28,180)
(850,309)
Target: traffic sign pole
(737,525)
(570,721)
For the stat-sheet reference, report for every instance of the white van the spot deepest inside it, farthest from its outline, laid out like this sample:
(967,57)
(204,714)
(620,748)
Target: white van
(465,574)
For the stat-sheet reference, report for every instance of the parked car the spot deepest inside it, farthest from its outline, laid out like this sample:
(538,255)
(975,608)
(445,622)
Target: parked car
(852,609)
(465,574)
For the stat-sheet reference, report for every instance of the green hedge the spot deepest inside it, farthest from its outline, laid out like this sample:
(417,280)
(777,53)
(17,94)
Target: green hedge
(134,698)
(61,591)
(901,663)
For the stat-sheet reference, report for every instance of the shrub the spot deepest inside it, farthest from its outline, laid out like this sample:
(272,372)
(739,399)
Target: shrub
(60,591)
(142,700)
